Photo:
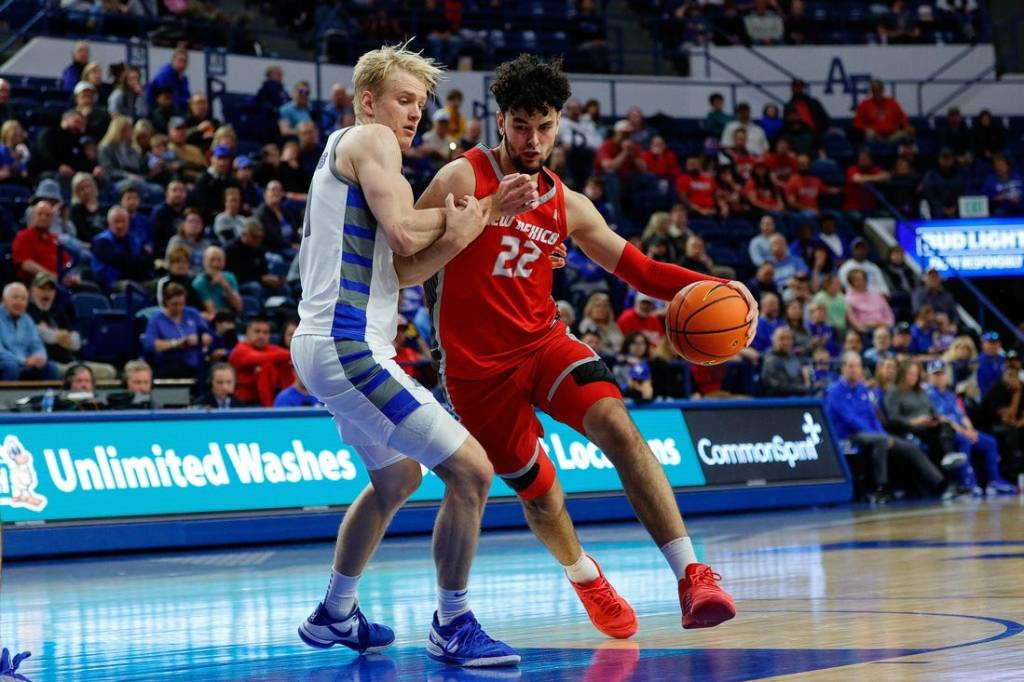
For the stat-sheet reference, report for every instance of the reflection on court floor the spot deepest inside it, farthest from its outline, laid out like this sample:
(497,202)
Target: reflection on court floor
(909,592)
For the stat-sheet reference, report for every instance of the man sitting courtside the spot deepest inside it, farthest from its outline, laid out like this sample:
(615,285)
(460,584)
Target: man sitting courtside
(138,388)
(222,389)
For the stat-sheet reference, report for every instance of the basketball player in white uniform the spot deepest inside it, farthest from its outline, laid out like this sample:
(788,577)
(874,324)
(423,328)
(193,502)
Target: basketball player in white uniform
(359,214)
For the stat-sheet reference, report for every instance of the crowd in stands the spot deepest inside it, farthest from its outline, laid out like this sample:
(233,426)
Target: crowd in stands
(137,203)
(804,22)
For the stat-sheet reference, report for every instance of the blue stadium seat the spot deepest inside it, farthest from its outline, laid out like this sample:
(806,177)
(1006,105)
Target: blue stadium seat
(828,171)
(15,192)
(738,228)
(251,306)
(88,304)
(703,226)
(111,337)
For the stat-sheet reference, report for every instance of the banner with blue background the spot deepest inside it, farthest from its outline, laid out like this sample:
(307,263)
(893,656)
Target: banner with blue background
(110,466)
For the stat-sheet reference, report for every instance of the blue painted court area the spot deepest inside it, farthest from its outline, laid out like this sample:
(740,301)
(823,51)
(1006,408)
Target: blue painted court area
(821,591)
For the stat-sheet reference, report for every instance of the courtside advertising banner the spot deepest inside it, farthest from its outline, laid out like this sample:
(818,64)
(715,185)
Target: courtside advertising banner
(108,466)
(761,445)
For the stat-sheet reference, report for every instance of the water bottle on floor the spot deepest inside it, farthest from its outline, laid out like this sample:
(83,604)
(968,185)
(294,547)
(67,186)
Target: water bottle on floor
(48,398)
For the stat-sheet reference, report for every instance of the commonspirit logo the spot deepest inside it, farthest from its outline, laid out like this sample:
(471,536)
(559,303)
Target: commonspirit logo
(774,450)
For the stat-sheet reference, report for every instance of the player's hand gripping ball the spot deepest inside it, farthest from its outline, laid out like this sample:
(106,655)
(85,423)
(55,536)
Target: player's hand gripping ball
(708,323)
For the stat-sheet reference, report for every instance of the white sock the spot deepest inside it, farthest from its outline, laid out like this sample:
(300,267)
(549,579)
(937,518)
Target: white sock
(341,595)
(584,570)
(679,554)
(451,604)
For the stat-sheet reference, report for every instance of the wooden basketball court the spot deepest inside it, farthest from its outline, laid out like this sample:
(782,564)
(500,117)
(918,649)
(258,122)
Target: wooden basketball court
(906,592)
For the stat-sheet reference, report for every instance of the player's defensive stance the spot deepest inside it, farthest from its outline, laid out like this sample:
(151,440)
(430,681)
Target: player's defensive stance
(503,352)
(359,215)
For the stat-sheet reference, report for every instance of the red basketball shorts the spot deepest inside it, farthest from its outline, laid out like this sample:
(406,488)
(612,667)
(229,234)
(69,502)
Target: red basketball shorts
(563,378)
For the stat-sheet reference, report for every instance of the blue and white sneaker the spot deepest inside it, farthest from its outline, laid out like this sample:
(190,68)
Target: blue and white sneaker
(463,642)
(998,486)
(353,631)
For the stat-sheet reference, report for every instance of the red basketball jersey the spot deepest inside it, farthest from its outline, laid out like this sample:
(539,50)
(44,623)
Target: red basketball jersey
(491,305)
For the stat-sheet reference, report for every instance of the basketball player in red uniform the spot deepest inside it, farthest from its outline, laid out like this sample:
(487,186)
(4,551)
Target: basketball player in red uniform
(503,352)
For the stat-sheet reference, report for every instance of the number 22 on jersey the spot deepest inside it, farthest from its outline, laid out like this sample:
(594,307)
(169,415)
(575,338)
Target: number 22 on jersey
(516,257)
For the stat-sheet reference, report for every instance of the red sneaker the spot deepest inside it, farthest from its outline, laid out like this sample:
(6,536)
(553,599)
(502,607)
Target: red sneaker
(704,603)
(610,613)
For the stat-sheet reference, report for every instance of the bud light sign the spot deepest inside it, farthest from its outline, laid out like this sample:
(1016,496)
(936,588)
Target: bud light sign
(974,248)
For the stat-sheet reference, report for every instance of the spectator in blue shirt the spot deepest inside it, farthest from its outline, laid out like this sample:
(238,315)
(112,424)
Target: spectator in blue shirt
(334,115)
(176,337)
(73,72)
(968,439)
(139,224)
(990,361)
(760,246)
(295,112)
(769,320)
(922,332)
(849,405)
(22,353)
(295,395)
(1004,189)
(172,76)
(822,373)
(786,264)
(117,253)
(821,334)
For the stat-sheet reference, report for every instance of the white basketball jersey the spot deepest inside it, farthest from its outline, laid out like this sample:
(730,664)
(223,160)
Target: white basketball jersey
(349,284)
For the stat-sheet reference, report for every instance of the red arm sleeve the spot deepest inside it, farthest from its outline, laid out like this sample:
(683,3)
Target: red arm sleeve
(660,280)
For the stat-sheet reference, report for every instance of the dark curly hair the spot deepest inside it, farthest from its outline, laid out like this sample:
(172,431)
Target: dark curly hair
(531,84)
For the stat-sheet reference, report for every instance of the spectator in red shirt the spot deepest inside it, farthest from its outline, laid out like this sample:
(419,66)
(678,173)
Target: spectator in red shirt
(660,160)
(881,118)
(35,248)
(642,318)
(803,190)
(696,189)
(618,154)
(263,369)
(761,192)
(865,170)
(781,162)
(738,156)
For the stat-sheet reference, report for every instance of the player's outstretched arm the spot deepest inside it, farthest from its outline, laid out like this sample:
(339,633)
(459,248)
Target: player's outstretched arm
(376,162)
(515,194)
(613,253)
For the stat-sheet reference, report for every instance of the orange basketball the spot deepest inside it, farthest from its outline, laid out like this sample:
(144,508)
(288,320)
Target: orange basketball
(706,323)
